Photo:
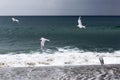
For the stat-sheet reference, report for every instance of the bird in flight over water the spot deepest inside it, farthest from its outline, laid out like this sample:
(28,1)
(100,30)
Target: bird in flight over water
(15,20)
(80,23)
(43,40)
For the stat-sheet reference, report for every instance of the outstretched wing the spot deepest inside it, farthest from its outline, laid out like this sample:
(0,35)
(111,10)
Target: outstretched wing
(79,21)
(13,19)
(47,40)
(17,20)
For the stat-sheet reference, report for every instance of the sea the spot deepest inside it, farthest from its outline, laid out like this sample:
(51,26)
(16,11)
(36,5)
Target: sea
(68,45)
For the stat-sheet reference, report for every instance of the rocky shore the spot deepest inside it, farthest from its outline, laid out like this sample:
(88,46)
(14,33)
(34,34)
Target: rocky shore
(81,72)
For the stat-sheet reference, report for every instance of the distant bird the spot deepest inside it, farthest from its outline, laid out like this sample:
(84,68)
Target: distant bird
(80,23)
(101,59)
(15,20)
(43,40)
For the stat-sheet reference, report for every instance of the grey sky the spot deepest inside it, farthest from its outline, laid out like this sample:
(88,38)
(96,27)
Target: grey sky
(59,7)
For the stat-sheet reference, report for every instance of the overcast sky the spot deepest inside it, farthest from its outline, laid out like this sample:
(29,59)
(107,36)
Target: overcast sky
(59,7)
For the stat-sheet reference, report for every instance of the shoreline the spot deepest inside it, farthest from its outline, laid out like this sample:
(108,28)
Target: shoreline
(71,72)
(66,58)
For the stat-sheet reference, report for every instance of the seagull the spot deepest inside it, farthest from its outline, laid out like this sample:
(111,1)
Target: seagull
(80,23)
(101,59)
(15,20)
(43,40)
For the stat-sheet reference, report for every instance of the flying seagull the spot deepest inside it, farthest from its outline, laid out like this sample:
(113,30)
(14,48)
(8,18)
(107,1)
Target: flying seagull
(43,40)
(80,23)
(15,20)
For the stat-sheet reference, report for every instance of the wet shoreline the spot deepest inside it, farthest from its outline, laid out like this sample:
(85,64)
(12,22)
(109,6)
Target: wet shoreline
(79,72)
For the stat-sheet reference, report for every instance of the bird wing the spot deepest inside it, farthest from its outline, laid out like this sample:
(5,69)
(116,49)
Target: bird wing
(17,20)
(13,19)
(79,21)
(47,39)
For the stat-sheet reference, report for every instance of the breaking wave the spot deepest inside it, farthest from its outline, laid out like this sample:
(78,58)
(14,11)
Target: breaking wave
(61,57)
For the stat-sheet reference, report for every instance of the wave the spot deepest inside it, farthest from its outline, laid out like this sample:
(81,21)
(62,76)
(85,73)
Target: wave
(62,57)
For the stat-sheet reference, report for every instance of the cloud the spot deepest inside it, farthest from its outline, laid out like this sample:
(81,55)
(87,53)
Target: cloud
(59,7)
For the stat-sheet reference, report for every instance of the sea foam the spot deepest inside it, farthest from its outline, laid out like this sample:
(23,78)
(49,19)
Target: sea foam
(62,57)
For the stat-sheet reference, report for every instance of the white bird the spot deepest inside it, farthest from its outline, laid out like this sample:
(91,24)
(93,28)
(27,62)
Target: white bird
(80,23)
(101,59)
(15,20)
(43,40)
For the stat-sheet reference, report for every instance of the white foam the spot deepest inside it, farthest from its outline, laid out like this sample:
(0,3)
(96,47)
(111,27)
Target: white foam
(61,58)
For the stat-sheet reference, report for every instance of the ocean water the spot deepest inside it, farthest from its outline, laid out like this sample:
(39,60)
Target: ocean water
(69,45)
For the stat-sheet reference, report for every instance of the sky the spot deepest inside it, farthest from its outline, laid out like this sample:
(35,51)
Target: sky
(59,7)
